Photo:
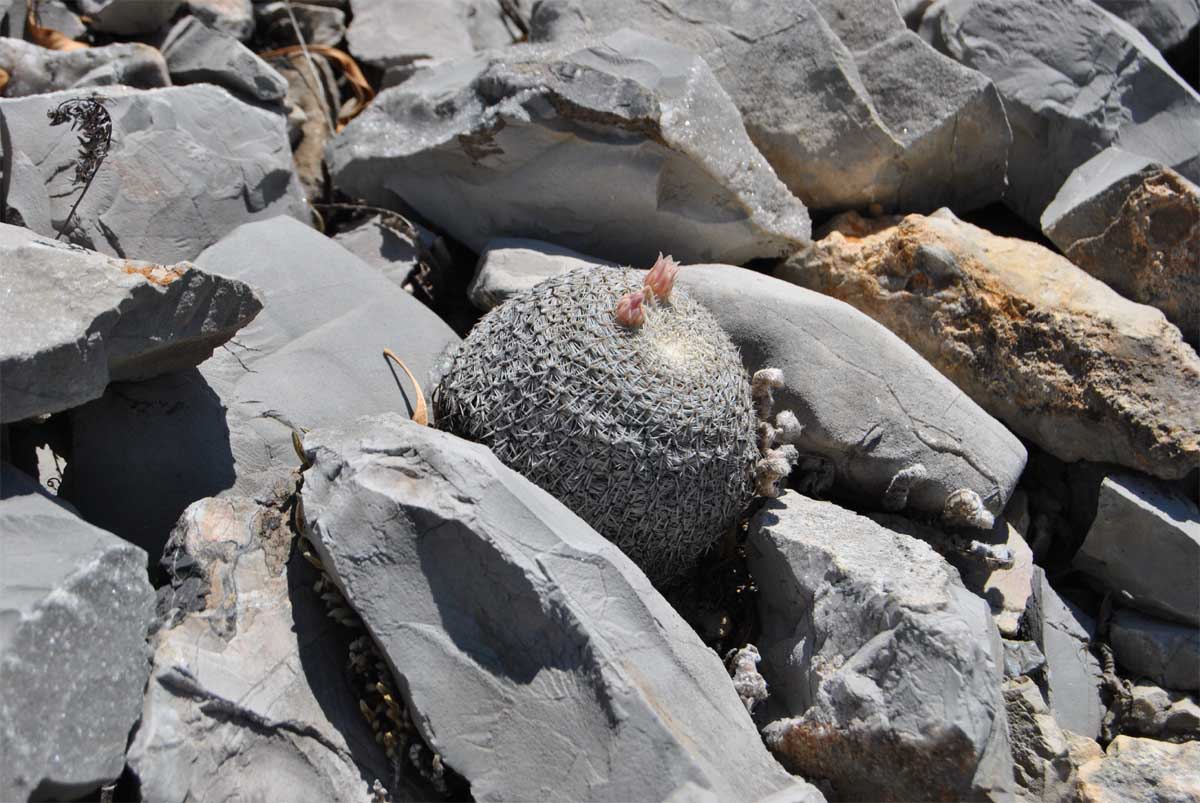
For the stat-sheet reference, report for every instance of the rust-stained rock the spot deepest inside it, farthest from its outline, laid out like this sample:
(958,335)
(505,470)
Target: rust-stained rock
(1054,353)
(1135,225)
(1142,771)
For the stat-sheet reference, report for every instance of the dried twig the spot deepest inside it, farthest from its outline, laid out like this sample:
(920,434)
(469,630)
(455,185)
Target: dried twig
(91,121)
(317,91)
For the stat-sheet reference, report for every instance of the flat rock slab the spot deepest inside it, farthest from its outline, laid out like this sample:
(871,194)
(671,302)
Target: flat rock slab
(860,425)
(1166,652)
(392,247)
(72,320)
(848,106)
(1054,353)
(1145,544)
(187,165)
(313,357)
(621,148)
(1166,23)
(584,685)
(885,668)
(249,693)
(1135,225)
(234,17)
(76,606)
(34,70)
(197,54)
(1142,771)
(1072,673)
(395,33)
(128,17)
(1075,79)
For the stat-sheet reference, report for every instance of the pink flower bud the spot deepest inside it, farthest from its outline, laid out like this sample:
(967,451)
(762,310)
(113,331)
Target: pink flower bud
(661,278)
(630,311)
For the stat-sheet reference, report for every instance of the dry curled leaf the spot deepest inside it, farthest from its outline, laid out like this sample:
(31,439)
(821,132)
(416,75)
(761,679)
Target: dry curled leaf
(421,412)
(48,37)
(363,93)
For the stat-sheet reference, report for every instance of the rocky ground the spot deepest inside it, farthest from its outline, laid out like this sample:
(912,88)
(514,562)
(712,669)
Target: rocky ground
(889,493)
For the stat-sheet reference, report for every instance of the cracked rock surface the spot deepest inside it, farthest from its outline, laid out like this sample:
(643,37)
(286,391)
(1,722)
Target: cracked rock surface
(249,694)
(584,684)
(76,607)
(1074,79)
(861,628)
(1054,353)
(72,320)
(849,107)
(500,145)
(175,180)
(311,358)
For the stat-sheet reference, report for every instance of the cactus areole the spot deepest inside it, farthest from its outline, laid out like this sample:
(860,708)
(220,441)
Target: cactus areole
(623,398)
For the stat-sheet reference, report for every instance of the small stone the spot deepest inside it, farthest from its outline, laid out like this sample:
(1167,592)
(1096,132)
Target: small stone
(1022,658)
(1142,771)
(197,54)
(128,17)
(36,70)
(1145,544)
(1165,652)
(884,668)
(234,17)
(76,606)
(71,321)
(1135,225)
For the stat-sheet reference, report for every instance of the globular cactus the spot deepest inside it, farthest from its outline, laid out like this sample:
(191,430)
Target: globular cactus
(623,398)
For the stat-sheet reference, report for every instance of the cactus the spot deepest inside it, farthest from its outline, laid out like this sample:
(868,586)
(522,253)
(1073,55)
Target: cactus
(620,396)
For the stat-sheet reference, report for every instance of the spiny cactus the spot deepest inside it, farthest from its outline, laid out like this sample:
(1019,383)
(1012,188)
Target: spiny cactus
(623,398)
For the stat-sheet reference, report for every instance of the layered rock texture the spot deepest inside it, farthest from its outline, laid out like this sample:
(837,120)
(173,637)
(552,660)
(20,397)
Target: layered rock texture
(584,685)
(1057,355)
(72,320)
(499,145)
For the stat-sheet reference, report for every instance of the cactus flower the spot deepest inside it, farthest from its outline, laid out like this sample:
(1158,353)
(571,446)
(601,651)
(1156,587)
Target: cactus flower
(661,277)
(631,310)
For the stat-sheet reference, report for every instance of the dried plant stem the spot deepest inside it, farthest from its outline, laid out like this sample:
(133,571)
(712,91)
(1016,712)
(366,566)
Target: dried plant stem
(317,90)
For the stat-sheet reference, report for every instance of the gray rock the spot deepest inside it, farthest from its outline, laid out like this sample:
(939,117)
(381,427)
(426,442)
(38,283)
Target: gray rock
(174,181)
(249,693)
(887,669)
(1157,713)
(510,265)
(197,53)
(128,17)
(71,321)
(12,18)
(501,146)
(1041,758)
(1072,673)
(1145,544)
(1141,771)
(1166,652)
(843,129)
(34,70)
(320,24)
(1135,225)
(27,203)
(391,33)
(870,406)
(234,17)
(76,606)
(393,247)
(313,357)
(1166,23)
(584,685)
(55,14)
(1059,65)
(1022,658)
